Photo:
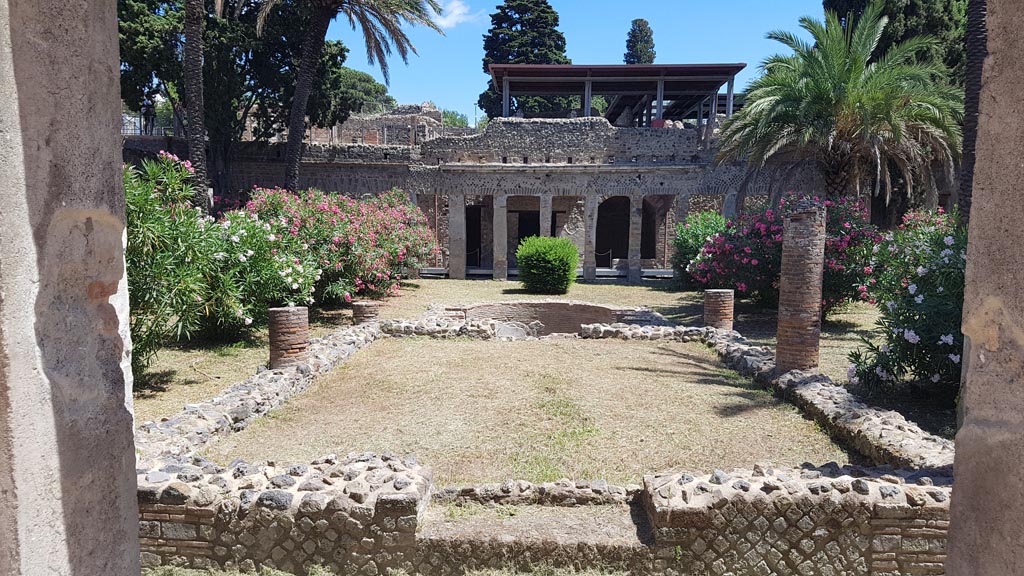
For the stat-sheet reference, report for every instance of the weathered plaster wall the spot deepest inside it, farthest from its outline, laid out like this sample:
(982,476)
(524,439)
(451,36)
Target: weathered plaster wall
(986,531)
(65,385)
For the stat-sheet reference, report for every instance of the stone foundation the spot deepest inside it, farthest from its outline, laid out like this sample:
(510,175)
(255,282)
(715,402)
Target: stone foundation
(368,513)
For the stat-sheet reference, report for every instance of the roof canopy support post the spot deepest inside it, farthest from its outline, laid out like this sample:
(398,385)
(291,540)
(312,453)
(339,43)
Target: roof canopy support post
(730,97)
(506,108)
(587,97)
(661,100)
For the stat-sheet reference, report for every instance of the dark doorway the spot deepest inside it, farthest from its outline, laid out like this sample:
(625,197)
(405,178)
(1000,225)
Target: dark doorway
(529,225)
(474,242)
(612,230)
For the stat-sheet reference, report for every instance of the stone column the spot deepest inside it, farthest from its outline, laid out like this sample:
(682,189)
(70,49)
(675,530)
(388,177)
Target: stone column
(500,237)
(636,220)
(803,259)
(986,527)
(545,214)
(682,209)
(590,238)
(718,309)
(68,502)
(456,236)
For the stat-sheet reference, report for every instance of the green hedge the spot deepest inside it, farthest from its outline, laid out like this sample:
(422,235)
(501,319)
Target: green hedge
(547,265)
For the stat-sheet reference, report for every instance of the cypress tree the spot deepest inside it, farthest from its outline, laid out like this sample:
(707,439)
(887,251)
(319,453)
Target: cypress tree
(639,43)
(524,32)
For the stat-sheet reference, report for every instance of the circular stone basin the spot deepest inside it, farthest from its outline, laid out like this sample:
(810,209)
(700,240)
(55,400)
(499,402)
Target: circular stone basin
(554,316)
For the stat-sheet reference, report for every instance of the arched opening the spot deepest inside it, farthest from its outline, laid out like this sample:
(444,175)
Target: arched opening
(657,230)
(612,231)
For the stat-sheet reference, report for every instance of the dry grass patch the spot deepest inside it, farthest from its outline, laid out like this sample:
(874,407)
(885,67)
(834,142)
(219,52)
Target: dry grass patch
(191,372)
(481,411)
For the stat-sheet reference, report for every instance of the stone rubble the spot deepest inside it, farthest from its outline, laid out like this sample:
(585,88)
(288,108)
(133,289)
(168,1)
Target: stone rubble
(563,492)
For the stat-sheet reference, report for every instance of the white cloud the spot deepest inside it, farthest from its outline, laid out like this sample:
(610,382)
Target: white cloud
(455,12)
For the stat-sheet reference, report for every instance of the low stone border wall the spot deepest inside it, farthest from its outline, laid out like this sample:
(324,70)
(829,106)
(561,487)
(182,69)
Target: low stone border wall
(884,436)
(848,521)
(361,514)
(235,408)
(520,492)
(356,515)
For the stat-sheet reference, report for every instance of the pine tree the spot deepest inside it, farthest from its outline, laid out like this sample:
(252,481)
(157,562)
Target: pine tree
(639,43)
(524,32)
(946,20)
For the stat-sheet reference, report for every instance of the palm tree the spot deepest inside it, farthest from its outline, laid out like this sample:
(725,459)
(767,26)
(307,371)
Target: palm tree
(192,64)
(381,24)
(977,51)
(831,103)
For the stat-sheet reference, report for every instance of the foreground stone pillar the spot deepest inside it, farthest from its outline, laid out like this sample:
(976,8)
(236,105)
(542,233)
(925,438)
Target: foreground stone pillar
(636,221)
(987,524)
(590,238)
(500,228)
(457,236)
(545,214)
(803,260)
(67,462)
(289,336)
(718,309)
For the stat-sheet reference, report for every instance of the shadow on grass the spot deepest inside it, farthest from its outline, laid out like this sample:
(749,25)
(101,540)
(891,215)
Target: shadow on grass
(153,382)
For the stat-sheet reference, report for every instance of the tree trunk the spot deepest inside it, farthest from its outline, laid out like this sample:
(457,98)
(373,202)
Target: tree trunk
(195,20)
(312,50)
(837,169)
(977,49)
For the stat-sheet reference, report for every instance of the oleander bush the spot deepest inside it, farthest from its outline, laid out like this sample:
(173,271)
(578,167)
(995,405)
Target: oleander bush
(916,277)
(190,274)
(547,265)
(747,255)
(690,239)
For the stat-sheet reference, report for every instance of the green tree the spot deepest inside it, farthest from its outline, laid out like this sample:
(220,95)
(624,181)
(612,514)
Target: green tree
(854,115)
(639,43)
(381,23)
(454,119)
(249,79)
(524,32)
(945,20)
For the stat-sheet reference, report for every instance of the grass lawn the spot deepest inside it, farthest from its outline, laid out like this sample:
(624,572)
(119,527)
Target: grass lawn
(479,411)
(193,372)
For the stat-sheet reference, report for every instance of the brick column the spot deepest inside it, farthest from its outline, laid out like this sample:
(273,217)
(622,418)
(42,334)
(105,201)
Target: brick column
(545,214)
(289,336)
(636,220)
(987,524)
(718,309)
(803,259)
(456,236)
(500,227)
(68,501)
(590,238)
(365,311)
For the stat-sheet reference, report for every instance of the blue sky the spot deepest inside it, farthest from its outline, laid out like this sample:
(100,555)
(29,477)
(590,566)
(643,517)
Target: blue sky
(449,69)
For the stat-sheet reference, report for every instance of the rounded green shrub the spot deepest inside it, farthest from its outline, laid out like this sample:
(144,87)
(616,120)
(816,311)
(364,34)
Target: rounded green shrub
(691,236)
(547,265)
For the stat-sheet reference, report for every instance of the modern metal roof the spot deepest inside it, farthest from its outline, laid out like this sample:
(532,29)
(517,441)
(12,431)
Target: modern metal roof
(684,84)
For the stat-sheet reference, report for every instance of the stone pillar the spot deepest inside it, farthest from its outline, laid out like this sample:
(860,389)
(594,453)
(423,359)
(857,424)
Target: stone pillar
(718,309)
(682,208)
(545,214)
(636,221)
(500,228)
(289,336)
(803,260)
(729,206)
(590,238)
(68,502)
(456,236)
(986,527)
